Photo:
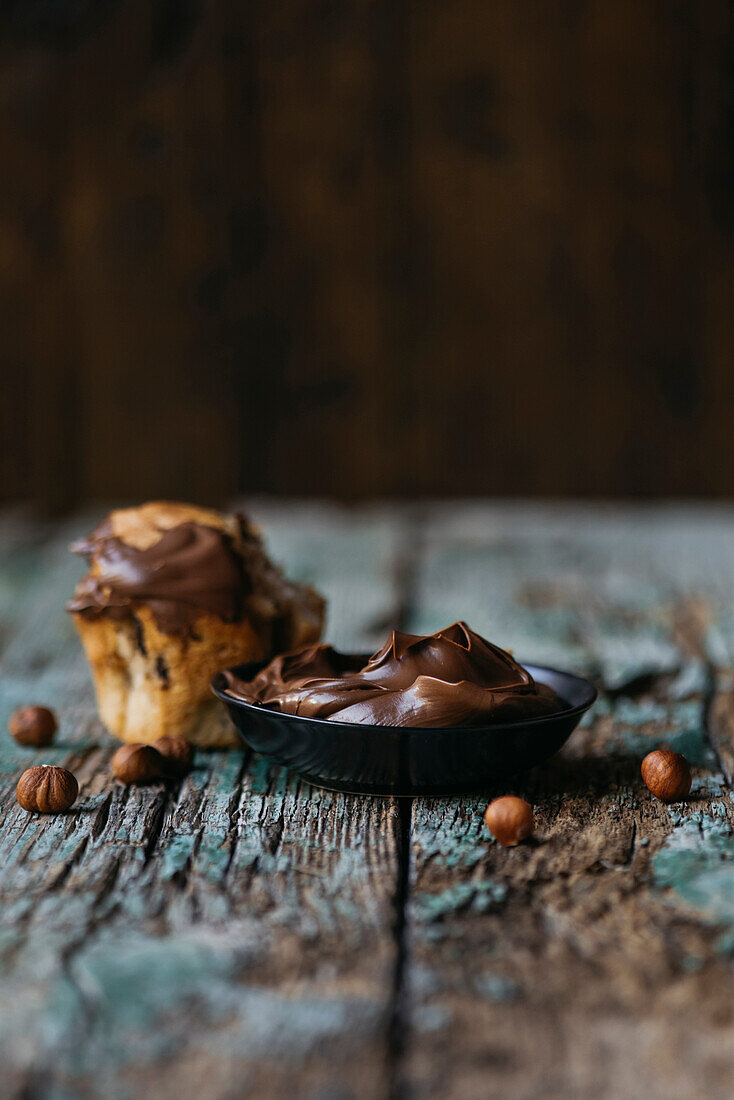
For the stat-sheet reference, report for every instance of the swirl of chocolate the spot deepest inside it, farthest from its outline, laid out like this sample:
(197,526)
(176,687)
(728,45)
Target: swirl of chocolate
(451,678)
(192,569)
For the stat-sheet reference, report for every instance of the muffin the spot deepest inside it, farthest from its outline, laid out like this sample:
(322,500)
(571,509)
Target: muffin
(173,594)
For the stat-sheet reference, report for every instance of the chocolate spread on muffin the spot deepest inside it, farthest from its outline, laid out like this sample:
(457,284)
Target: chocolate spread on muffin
(184,571)
(191,569)
(451,678)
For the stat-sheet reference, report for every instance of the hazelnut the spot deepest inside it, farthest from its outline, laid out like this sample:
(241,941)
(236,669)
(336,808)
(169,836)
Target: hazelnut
(138,764)
(509,819)
(46,789)
(178,754)
(33,726)
(666,774)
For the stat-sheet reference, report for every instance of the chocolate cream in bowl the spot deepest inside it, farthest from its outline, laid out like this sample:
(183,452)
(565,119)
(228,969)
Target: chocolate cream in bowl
(451,678)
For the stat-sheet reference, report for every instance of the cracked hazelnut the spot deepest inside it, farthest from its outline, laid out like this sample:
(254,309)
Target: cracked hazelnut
(138,764)
(178,754)
(46,789)
(33,726)
(667,775)
(509,820)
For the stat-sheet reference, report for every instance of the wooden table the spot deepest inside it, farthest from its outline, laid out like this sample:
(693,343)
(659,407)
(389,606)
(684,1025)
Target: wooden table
(243,934)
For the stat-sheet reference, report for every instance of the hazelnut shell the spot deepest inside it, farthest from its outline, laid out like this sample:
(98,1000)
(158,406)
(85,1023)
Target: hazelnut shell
(138,764)
(667,775)
(46,789)
(33,725)
(178,754)
(509,820)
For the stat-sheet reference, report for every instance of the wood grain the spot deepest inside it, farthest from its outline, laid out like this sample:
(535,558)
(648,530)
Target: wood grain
(242,933)
(564,967)
(238,927)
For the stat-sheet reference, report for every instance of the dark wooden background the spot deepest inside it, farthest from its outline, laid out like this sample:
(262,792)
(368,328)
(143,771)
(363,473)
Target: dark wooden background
(366,247)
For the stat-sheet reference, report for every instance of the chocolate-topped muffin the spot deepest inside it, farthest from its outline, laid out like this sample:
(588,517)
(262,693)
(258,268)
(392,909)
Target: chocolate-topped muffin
(175,592)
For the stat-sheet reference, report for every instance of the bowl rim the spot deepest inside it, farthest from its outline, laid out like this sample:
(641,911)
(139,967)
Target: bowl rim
(493,727)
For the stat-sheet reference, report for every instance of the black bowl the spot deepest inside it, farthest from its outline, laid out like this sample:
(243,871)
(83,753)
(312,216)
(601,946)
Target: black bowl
(406,760)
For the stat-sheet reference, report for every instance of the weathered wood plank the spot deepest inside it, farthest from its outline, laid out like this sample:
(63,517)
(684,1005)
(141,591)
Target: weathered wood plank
(565,967)
(237,927)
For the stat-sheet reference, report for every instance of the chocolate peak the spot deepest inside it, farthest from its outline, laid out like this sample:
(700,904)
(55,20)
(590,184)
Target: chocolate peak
(451,678)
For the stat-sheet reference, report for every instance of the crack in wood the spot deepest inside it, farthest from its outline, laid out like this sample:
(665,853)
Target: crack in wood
(273,836)
(101,817)
(68,867)
(406,572)
(155,824)
(398,1024)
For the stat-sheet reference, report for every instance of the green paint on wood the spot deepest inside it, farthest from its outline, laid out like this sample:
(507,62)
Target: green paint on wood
(495,987)
(640,726)
(124,993)
(481,896)
(450,832)
(133,928)
(696,863)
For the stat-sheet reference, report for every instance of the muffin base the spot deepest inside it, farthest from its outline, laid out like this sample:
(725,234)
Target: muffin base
(149,684)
